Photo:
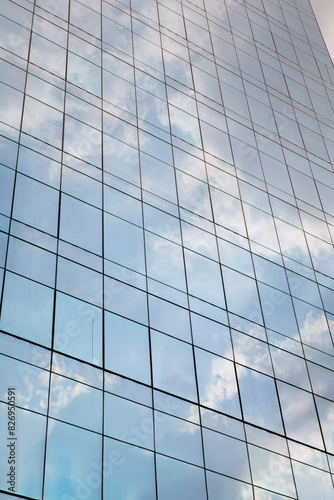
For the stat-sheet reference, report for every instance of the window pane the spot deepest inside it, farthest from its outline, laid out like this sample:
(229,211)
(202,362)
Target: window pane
(78,329)
(48,55)
(300,418)
(27,309)
(169,318)
(82,186)
(131,471)
(29,452)
(251,352)
(193,195)
(84,74)
(241,295)
(217,383)
(271,471)
(290,368)
(178,480)
(198,270)
(6,189)
(278,311)
(75,403)
(82,141)
(165,261)
(11,106)
(222,487)
(178,438)
(39,167)
(173,366)
(73,462)
(128,421)
(81,224)
(30,382)
(311,481)
(36,204)
(211,336)
(127,348)
(226,455)
(259,399)
(31,261)
(79,281)
(124,243)
(42,122)
(125,300)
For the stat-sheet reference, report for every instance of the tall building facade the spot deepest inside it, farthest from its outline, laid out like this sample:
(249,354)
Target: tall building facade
(166,251)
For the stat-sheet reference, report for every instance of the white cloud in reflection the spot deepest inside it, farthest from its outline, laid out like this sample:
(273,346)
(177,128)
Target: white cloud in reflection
(63,395)
(314,330)
(221,386)
(35,389)
(271,471)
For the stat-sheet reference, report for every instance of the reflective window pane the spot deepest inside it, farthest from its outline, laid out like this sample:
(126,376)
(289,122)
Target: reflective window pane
(27,309)
(177,480)
(78,329)
(69,401)
(36,204)
(73,462)
(217,383)
(131,471)
(259,399)
(173,366)
(27,448)
(226,455)
(127,348)
(178,438)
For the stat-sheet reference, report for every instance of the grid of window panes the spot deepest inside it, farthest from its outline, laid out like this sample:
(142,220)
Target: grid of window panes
(166,250)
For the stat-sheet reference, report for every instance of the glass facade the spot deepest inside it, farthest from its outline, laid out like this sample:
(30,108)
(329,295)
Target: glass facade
(166,251)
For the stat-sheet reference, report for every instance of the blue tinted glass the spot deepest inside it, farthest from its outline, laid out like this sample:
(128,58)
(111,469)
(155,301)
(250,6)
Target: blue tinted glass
(221,487)
(31,261)
(179,480)
(127,348)
(198,270)
(226,455)
(263,462)
(124,243)
(164,261)
(211,336)
(241,295)
(217,383)
(6,189)
(173,366)
(178,438)
(299,414)
(310,481)
(169,318)
(278,311)
(36,204)
(259,399)
(128,421)
(39,167)
(124,299)
(27,447)
(30,382)
(70,401)
(129,471)
(82,141)
(81,224)
(73,462)
(78,329)
(42,121)
(79,281)
(27,309)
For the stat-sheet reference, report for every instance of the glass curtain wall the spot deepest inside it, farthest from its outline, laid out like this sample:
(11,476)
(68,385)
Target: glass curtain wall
(166,251)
